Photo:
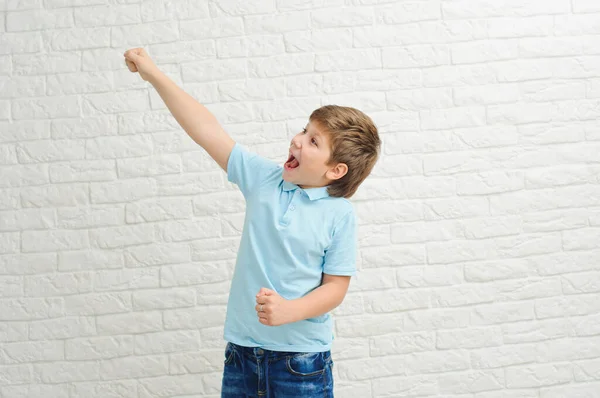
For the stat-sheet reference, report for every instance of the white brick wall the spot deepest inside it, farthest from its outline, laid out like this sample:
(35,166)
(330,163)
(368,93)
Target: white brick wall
(479,228)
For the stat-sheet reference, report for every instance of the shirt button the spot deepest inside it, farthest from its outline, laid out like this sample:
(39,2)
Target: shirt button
(292,208)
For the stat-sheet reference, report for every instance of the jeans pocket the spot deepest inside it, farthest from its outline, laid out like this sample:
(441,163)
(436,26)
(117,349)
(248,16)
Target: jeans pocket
(229,353)
(307,364)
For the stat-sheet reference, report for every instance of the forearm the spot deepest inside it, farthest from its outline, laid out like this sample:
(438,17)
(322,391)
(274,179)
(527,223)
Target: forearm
(318,302)
(193,117)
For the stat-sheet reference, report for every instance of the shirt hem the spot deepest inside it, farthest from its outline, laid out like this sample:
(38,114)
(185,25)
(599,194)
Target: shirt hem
(286,348)
(340,273)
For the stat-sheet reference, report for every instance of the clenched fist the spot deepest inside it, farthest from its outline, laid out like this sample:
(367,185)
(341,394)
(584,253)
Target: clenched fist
(137,60)
(274,310)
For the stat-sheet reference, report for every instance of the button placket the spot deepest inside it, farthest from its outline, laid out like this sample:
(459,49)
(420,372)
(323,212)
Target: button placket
(292,207)
(297,195)
(285,219)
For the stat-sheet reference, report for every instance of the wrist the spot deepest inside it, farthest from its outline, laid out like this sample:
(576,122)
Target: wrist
(156,77)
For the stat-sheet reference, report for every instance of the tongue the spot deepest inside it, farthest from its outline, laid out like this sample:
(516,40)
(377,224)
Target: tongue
(294,163)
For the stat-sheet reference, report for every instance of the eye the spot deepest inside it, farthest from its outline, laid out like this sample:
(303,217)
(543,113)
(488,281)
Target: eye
(313,141)
(303,131)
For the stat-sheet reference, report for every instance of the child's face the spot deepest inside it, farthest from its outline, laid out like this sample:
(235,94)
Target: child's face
(309,152)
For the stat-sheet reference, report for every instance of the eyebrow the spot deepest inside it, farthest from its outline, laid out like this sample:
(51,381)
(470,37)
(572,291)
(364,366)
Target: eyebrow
(316,132)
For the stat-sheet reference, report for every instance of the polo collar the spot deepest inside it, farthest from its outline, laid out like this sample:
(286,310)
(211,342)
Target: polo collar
(312,193)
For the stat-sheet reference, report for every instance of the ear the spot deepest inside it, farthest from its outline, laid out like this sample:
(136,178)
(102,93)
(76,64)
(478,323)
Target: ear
(337,172)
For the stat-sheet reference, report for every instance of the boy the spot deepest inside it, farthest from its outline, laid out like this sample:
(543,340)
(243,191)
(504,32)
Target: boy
(298,246)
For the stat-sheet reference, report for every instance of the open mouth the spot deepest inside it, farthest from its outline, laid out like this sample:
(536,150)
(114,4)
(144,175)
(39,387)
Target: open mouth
(291,163)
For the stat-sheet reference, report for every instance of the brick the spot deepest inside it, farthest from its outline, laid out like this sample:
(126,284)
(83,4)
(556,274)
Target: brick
(67,107)
(37,351)
(215,27)
(62,328)
(96,16)
(489,8)
(144,34)
(473,381)
(280,23)
(22,86)
(485,51)
(103,389)
(21,42)
(340,17)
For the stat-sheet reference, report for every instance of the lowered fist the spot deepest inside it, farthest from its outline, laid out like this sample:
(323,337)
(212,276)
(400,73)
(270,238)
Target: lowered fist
(274,310)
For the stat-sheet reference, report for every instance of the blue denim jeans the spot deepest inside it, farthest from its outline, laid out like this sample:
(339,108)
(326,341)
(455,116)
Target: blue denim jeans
(252,372)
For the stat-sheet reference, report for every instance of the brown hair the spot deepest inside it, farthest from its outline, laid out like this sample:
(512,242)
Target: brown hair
(354,141)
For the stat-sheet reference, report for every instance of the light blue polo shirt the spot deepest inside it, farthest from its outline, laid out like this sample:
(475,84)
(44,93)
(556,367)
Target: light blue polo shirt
(291,237)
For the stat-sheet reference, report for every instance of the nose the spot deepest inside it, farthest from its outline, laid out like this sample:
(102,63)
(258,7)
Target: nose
(296,141)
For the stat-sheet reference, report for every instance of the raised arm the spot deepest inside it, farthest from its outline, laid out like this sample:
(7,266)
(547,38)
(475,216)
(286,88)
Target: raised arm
(193,117)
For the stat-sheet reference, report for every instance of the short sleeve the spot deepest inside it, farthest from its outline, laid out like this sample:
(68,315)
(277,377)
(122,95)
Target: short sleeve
(248,170)
(340,256)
